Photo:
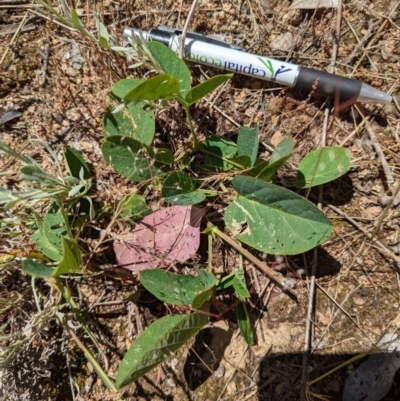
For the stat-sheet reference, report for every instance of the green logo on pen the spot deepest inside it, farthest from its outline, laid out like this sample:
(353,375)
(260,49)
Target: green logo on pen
(270,68)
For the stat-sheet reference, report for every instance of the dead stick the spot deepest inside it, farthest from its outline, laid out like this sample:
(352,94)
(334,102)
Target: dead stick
(275,276)
(185,28)
(14,37)
(345,312)
(372,41)
(311,297)
(45,56)
(378,150)
(379,244)
(361,42)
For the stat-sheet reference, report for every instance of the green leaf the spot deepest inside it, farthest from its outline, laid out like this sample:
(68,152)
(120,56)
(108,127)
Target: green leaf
(77,23)
(176,183)
(218,152)
(179,189)
(156,343)
(104,36)
(124,86)
(37,269)
(200,299)
(244,322)
(191,198)
(103,43)
(134,160)
(50,232)
(76,164)
(175,289)
(244,161)
(225,282)
(161,86)
(279,156)
(322,166)
(239,284)
(237,280)
(37,174)
(16,155)
(71,260)
(247,143)
(282,152)
(203,89)
(171,64)
(275,220)
(134,206)
(208,279)
(136,121)
(10,199)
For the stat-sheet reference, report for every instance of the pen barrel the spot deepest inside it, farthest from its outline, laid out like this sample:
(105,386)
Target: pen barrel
(205,52)
(202,49)
(328,84)
(160,36)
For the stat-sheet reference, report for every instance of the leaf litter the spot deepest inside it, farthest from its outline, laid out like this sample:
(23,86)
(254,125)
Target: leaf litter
(161,239)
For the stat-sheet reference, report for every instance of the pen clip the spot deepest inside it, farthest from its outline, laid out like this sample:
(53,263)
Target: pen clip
(200,36)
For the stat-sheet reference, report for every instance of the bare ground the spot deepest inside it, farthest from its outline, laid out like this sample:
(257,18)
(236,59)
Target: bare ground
(357,294)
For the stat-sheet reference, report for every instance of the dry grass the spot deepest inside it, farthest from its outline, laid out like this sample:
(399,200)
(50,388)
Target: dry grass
(357,283)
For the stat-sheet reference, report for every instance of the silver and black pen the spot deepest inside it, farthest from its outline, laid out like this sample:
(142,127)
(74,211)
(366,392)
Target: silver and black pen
(207,50)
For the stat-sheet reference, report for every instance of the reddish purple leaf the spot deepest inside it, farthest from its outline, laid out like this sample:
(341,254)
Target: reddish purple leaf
(162,238)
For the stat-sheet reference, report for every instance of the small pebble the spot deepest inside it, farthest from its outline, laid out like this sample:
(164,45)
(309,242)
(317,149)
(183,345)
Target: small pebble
(282,42)
(170,383)
(220,372)
(358,300)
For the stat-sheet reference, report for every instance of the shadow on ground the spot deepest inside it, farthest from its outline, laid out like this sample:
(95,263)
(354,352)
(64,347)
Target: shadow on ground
(280,378)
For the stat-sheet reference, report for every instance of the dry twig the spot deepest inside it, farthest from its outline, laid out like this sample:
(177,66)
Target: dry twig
(311,298)
(378,149)
(345,312)
(386,251)
(14,37)
(361,42)
(372,41)
(45,56)
(185,29)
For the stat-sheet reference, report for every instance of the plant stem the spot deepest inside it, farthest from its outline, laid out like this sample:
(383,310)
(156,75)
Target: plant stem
(78,314)
(96,366)
(210,251)
(35,295)
(64,215)
(342,365)
(275,276)
(196,143)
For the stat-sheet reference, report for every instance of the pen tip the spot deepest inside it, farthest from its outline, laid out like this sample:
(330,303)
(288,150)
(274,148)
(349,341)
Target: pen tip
(368,94)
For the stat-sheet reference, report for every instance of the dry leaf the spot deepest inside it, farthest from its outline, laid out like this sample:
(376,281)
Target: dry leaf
(162,238)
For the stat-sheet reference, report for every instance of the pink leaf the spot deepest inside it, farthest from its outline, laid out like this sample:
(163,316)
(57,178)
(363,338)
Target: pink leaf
(162,238)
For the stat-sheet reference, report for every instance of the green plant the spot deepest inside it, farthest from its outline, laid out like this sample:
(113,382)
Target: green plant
(67,205)
(54,235)
(169,333)
(263,215)
(294,224)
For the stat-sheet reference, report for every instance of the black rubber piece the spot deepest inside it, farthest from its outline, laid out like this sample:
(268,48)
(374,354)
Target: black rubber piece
(329,84)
